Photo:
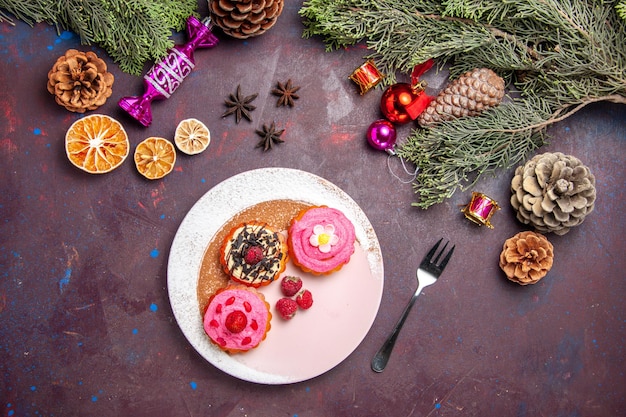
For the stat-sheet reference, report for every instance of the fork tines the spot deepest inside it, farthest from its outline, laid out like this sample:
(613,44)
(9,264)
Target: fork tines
(429,258)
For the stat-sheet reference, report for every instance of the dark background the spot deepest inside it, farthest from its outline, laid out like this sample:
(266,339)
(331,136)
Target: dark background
(85,322)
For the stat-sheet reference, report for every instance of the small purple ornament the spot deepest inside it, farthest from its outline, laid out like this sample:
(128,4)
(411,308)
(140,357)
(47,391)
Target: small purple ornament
(381,135)
(167,74)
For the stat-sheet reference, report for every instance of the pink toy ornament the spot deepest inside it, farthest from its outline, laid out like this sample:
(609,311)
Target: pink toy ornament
(381,135)
(167,74)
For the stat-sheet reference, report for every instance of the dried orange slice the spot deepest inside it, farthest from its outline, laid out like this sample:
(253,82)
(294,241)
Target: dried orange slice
(155,157)
(96,143)
(192,136)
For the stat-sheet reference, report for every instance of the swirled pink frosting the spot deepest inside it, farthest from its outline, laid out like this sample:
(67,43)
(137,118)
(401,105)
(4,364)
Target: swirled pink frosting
(229,300)
(321,240)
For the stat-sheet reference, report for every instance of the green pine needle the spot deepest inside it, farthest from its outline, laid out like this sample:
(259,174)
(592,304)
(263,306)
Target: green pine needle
(621,9)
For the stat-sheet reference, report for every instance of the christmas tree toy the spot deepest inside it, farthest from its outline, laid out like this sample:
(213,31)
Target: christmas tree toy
(167,74)
(480,209)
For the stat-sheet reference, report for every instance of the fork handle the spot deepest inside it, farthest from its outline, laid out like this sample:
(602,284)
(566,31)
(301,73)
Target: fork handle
(379,361)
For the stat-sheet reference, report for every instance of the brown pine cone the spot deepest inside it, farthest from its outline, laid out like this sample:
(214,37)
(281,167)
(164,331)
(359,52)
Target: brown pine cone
(80,81)
(245,18)
(553,192)
(468,95)
(526,257)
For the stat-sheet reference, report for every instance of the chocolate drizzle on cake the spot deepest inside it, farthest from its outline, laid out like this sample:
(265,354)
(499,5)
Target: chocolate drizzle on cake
(263,270)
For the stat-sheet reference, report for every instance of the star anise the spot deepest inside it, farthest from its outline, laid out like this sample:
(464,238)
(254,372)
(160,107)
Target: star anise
(239,105)
(269,136)
(286,94)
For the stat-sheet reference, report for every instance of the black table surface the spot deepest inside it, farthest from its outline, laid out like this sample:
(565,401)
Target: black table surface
(86,326)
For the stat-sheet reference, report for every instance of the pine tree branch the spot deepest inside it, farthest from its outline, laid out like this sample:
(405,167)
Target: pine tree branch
(130,31)
(513,39)
(556,56)
(559,116)
(27,11)
(456,154)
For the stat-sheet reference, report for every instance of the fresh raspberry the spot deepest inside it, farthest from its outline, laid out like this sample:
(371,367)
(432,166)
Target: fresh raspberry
(304,299)
(286,307)
(236,321)
(290,286)
(253,255)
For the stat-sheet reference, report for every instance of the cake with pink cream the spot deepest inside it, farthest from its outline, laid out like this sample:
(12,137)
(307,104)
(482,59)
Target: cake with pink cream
(237,318)
(321,240)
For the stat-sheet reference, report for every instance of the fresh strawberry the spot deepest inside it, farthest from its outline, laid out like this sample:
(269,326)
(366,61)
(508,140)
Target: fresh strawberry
(304,299)
(253,255)
(286,307)
(236,321)
(290,285)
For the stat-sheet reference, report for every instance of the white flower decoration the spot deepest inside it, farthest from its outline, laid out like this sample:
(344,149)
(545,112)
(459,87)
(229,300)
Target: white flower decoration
(324,237)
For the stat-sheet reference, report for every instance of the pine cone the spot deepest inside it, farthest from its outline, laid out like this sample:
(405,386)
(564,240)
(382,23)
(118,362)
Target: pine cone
(245,18)
(468,95)
(553,192)
(526,257)
(80,81)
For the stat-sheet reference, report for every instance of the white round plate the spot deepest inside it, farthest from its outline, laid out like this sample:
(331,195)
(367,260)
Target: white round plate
(345,302)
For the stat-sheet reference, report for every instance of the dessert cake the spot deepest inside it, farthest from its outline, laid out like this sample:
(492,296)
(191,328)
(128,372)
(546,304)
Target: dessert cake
(237,318)
(321,240)
(254,254)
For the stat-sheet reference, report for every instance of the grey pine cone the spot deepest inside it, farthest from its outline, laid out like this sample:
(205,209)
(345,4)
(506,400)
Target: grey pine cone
(468,95)
(553,192)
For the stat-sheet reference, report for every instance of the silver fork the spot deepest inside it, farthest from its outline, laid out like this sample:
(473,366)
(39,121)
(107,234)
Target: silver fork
(427,273)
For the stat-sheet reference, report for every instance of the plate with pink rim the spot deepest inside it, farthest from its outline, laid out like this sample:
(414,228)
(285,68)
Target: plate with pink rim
(345,302)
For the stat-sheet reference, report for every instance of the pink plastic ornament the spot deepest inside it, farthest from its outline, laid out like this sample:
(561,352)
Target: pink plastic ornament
(381,135)
(167,74)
